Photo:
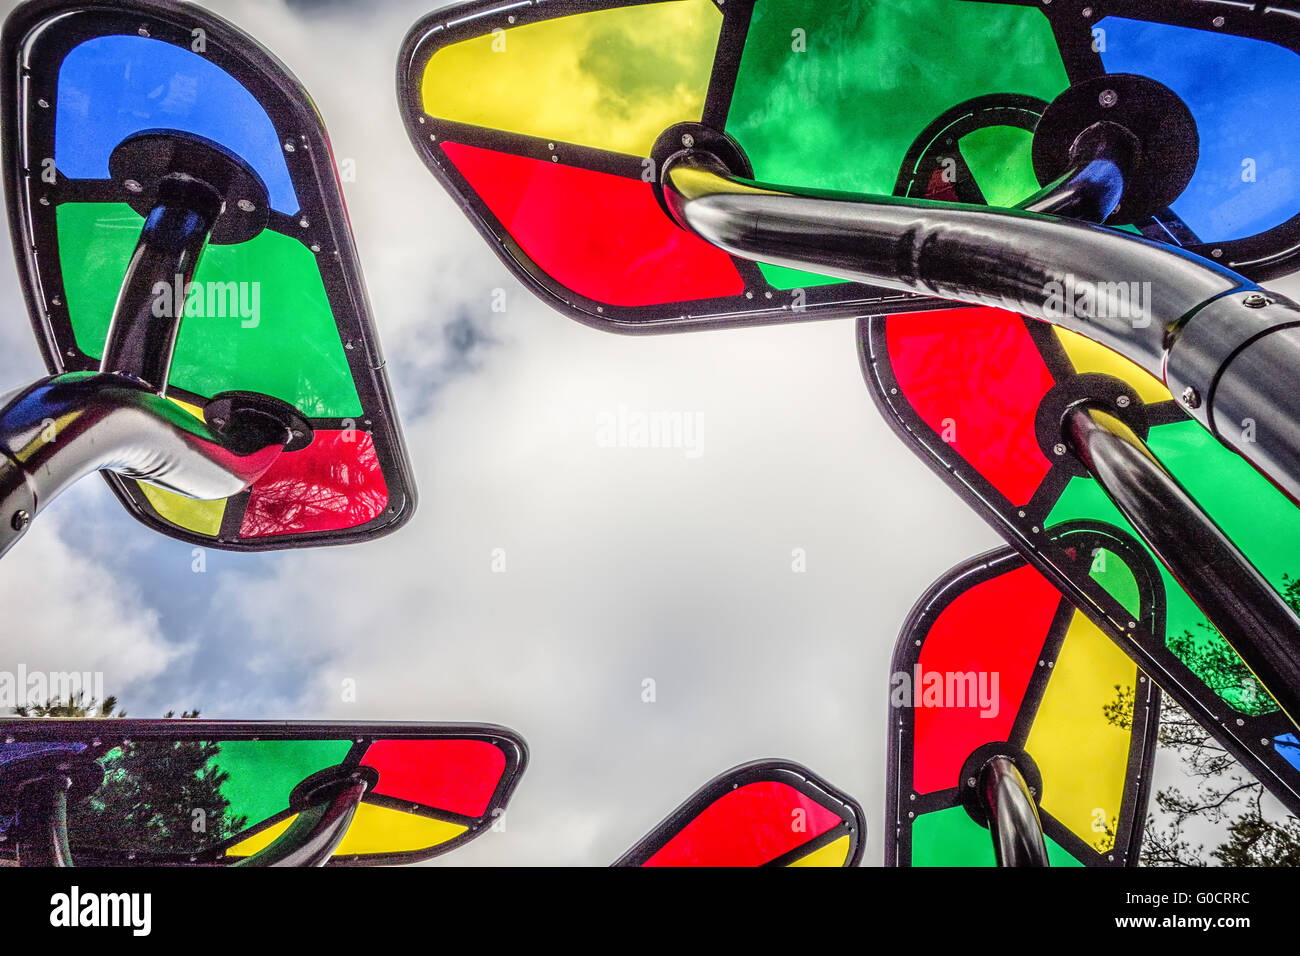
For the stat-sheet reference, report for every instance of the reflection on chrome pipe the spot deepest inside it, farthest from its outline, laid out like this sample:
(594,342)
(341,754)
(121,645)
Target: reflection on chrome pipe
(63,428)
(1234,596)
(1182,318)
(1058,270)
(1012,815)
(42,822)
(317,828)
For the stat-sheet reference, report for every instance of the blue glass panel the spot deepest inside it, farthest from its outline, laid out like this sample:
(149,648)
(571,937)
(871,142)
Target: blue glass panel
(1242,93)
(1288,746)
(115,86)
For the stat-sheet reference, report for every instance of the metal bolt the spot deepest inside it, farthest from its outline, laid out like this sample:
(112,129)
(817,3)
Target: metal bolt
(1108,98)
(288,147)
(133,187)
(1191,397)
(688,140)
(20,520)
(970,781)
(304,222)
(246,205)
(1059,449)
(1123,401)
(1218,21)
(1256,300)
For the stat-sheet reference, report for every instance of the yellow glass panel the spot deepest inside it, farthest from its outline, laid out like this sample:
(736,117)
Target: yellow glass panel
(1083,759)
(201,517)
(611,79)
(192,409)
(1087,356)
(378,829)
(374,829)
(832,854)
(261,840)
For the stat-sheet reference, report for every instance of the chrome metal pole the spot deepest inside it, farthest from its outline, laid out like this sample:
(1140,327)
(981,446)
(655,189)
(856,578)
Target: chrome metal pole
(316,830)
(42,822)
(1012,813)
(1233,595)
(64,427)
(1202,329)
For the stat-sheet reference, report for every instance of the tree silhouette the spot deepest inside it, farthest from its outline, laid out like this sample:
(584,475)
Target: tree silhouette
(1222,793)
(158,796)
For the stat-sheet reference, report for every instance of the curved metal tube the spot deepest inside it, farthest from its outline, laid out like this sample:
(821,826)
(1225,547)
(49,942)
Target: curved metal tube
(67,426)
(1094,185)
(147,315)
(1182,318)
(1012,259)
(41,828)
(1012,814)
(316,831)
(1237,600)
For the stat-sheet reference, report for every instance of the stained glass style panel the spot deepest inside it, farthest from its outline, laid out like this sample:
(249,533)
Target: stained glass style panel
(280,313)
(768,813)
(612,79)
(934,98)
(937,387)
(430,787)
(994,662)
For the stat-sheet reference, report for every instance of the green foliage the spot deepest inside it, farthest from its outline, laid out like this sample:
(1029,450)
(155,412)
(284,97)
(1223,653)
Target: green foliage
(158,796)
(1221,792)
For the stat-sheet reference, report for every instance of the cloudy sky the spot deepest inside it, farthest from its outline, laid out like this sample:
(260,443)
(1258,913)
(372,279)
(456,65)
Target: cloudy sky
(621,564)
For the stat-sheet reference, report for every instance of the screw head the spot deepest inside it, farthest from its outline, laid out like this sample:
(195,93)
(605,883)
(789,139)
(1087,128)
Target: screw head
(1256,300)
(1108,98)
(1191,397)
(688,140)
(133,187)
(20,520)
(1059,449)
(1123,401)
(246,205)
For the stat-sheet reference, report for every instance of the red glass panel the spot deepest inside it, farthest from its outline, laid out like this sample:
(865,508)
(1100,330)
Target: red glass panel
(975,376)
(603,236)
(749,826)
(455,775)
(333,484)
(975,634)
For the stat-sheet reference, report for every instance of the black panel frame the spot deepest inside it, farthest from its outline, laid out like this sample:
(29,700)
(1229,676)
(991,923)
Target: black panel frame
(102,734)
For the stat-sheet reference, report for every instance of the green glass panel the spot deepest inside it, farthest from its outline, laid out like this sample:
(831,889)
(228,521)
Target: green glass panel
(843,114)
(256,319)
(1260,520)
(262,773)
(951,838)
(779,277)
(831,96)
(1112,573)
(1000,159)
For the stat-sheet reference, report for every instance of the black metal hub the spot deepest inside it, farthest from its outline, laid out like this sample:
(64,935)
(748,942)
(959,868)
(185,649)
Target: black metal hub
(247,421)
(166,168)
(974,766)
(1167,142)
(1092,388)
(695,137)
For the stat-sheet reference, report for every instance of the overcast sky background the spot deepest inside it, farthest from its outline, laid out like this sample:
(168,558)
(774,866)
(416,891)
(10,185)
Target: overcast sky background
(622,564)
